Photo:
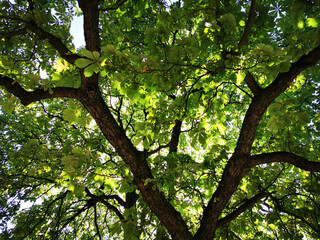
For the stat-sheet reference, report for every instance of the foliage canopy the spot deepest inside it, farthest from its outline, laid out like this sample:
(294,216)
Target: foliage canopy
(183,120)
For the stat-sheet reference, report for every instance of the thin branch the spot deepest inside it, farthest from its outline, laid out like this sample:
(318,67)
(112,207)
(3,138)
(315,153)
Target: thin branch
(117,5)
(96,222)
(54,41)
(34,177)
(108,205)
(248,25)
(88,205)
(148,154)
(287,157)
(248,204)
(27,97)
(280,208)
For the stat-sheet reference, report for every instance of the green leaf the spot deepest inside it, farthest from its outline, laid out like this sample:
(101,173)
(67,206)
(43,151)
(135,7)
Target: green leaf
(312,22)
(93,68)
(82,62)
(61,65)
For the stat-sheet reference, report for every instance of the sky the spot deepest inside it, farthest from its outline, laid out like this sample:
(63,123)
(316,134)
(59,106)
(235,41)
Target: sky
(77,31)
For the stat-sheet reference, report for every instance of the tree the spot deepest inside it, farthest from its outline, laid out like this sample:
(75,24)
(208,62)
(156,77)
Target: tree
(182,120)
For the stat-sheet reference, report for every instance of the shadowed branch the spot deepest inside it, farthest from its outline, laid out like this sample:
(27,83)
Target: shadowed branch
(27,97)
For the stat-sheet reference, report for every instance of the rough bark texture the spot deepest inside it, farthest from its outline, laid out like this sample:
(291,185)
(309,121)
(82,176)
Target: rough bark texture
(238,165)
(92,100)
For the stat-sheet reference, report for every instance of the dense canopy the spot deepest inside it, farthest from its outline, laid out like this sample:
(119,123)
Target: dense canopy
(176,120)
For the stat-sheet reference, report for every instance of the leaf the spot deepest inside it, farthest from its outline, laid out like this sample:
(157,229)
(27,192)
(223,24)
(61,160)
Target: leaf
(137,141)
(87,53)
(284,66)
(109,50)
(147,181)
(82,62)
(35,78)
(61,65)
(221,128)
(69,115)
(79,190)
(93,68)
(273,124)
(312,22)
(203,139)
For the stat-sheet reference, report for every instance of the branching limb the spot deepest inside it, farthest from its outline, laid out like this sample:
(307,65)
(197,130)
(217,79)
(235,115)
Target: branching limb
(252,84)
(115,197)
(81,210)
(27,97)
(157,149)
(287,157)
(280,208)
(108,205)
(173,144)
(238,165)
(248,25)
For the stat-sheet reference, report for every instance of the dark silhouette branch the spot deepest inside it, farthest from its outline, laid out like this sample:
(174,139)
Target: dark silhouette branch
(27,97)
(173,144)
(56,42)
(13,33)
(248,204)
(108,205)
(87,206)
(96,222)
(280,208)
(287,157)
(131,199)
(115,197)
(252,84)
(248,25)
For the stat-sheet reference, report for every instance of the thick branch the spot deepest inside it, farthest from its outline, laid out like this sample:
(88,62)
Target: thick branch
(248,25)
(27,97)
(287,157)
(13,33)
(252,84)
(54,41)
(283,80)
(136,162)
(238,165)
(91,23)
(248,204)
(173,144)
